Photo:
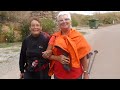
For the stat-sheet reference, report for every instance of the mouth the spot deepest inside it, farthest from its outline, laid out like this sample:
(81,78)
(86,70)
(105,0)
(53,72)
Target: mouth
(36,30)
(64,25)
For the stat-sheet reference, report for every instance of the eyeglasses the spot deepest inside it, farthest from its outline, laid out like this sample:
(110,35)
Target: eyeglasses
(66,19)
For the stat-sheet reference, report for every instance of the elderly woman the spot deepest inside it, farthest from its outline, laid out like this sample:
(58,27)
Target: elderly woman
(31,63)
(69,51)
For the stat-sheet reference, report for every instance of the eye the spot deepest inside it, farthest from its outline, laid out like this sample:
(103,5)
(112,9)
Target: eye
(66,19)
(32,25)
(37,25)
(60,20)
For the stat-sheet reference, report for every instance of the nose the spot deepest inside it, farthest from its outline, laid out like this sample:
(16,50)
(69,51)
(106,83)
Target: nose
(35,26)
(63,20)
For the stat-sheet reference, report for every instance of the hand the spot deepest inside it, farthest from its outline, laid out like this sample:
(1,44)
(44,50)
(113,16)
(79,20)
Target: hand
(86,76)
(21,75)
(47,54)
(63,59)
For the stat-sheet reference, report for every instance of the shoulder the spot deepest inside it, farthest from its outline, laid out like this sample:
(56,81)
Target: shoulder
(56,34)
(75,33)
(53,37)
(46,35)
(26,38)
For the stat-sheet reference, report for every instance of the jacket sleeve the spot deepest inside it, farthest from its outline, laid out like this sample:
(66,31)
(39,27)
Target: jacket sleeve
(22,57)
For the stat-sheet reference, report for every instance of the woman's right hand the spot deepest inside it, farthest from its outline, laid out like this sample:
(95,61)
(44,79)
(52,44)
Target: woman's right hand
(21,75)
(63,59)
(47,53)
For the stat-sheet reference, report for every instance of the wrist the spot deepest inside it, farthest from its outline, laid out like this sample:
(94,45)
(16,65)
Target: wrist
(85,72)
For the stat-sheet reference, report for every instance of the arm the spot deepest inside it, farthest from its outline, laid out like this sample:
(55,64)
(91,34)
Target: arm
(22,58)
(48,53)
(85,67)
(61,58)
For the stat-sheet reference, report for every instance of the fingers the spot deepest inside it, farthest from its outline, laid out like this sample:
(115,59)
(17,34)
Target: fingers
(46,54)
(65,62)
(64,59)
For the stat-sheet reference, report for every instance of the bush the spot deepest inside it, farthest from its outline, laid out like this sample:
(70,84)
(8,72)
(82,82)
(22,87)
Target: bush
(10,35)
(24,29)
(0,28)
(74,22)
(3,16)
(7,16)
(48,25)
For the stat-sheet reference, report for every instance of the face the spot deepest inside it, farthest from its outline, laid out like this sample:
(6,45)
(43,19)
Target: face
(35,27)
(64,22)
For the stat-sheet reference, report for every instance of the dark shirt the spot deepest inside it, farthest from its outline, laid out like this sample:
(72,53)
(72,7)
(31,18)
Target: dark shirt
(32,48)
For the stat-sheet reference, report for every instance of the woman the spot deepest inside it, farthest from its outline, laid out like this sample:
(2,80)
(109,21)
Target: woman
(32,64)
(70,50)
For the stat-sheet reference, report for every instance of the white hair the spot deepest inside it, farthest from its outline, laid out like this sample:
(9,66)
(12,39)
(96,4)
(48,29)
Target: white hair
(64,13)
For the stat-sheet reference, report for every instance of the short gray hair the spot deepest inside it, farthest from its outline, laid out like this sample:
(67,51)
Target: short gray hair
(64,13)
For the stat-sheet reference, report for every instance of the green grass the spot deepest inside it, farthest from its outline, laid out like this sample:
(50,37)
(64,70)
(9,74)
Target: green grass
(5,45)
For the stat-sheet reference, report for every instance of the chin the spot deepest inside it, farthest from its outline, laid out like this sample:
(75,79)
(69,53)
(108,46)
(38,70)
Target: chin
(65,28)
(36,34)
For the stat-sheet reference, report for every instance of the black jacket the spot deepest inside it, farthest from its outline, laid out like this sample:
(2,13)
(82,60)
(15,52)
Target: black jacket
(32,48)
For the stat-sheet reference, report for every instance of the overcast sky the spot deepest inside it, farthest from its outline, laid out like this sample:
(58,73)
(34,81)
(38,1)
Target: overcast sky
(90,12)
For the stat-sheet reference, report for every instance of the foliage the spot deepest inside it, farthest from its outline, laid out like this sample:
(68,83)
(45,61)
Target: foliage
(10,35)
(74,22)
(48,25)
(24,29)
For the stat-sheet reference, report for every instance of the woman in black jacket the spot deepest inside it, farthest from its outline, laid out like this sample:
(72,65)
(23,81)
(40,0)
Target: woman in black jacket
(31,63)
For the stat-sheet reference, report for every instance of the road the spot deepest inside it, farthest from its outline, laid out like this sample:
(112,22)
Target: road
(107,62)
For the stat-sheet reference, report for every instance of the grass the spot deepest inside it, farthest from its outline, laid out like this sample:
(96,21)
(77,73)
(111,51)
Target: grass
(5,45)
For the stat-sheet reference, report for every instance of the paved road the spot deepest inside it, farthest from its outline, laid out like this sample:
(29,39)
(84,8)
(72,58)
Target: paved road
(107,61)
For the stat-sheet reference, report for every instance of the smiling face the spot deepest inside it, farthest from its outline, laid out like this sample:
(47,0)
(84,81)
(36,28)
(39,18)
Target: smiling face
(35,27)
(64,22)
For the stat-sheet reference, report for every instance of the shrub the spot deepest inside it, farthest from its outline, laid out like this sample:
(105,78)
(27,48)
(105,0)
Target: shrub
(48,25)
(74,22)
(24,29)
(10,35)
(3,16)
(0,28)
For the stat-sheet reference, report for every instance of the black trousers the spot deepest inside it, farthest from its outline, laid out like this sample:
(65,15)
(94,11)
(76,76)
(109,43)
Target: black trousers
(43,74)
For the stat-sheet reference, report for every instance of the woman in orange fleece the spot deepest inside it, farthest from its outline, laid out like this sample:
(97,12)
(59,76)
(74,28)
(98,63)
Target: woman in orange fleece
(69,51)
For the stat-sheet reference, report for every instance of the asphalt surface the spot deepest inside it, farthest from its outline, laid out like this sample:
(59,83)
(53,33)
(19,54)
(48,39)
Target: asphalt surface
(107,62)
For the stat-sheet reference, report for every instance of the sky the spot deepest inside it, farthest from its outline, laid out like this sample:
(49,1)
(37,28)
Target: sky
(90,12)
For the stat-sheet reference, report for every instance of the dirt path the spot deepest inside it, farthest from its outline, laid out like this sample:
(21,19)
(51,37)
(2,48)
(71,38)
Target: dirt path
(9,62)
